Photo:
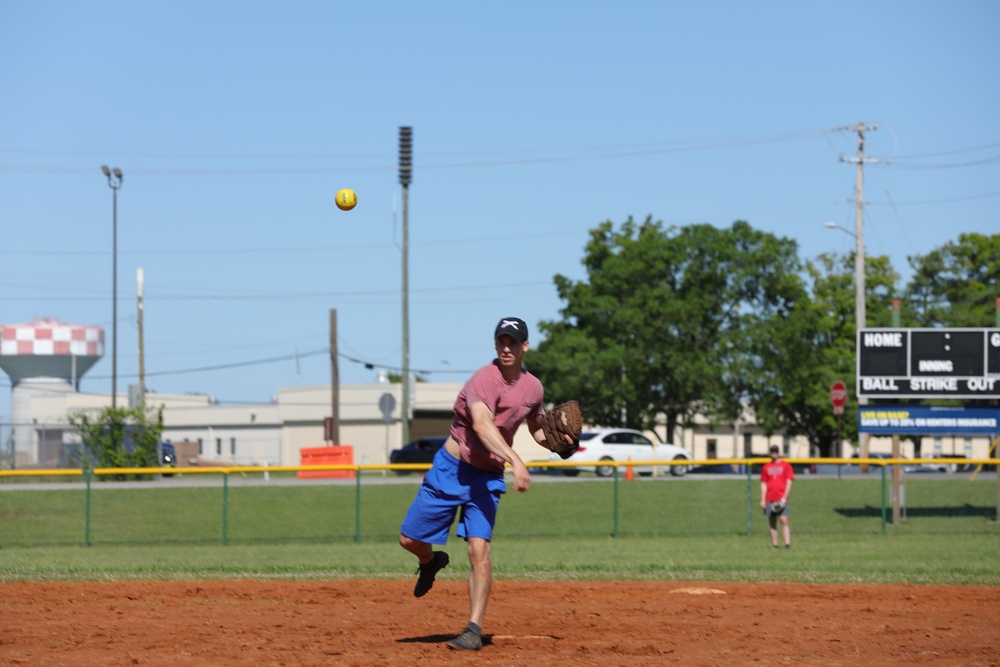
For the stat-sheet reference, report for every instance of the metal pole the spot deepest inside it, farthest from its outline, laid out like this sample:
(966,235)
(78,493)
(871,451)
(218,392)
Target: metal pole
(405,178)
(114,176)
(749,498)
(86,520)
(334,377)
(897,478)
(114,300)
(357,507)
(614,529)
(883,500)
(140,278)
(225,508)
(405,414)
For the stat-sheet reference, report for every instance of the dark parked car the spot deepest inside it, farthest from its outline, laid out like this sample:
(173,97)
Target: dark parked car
(418,451)
(797,468)
(718,469)
(168,457)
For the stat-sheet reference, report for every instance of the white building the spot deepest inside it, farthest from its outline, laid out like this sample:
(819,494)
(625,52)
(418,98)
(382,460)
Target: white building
(275,433)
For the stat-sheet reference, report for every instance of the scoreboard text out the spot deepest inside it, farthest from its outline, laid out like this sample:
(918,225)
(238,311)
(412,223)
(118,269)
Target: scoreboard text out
(928,363)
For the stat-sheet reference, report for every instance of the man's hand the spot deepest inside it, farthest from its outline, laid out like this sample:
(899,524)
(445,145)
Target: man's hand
(522,478)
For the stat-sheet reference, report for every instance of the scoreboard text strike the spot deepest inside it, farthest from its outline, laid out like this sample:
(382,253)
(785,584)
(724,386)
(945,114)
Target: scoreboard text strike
(929,363)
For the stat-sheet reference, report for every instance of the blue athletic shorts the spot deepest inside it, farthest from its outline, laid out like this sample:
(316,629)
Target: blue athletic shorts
(448,486)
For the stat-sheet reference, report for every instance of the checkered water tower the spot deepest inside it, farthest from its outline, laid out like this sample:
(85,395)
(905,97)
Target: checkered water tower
(43,357)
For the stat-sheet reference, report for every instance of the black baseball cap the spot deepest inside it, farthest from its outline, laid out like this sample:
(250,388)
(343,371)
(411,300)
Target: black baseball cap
(513,327)
(775,448)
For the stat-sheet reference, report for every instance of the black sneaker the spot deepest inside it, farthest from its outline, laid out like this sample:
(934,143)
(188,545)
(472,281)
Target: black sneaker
(427,573)
(467,641)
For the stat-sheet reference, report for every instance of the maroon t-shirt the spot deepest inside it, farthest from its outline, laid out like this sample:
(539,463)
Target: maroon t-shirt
(510,402)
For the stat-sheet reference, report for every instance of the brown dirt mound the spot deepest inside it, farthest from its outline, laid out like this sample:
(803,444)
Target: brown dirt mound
(530,623)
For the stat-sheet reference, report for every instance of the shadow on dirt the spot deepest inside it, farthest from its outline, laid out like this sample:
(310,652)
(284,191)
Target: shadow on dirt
(439,639)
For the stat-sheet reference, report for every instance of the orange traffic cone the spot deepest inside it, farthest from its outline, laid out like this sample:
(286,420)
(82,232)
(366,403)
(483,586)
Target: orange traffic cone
(629,472)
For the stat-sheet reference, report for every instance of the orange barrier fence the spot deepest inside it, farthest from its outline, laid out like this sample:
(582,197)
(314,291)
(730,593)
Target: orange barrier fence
(333,455)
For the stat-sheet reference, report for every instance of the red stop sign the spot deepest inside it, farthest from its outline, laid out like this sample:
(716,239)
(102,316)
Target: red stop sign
(838,394)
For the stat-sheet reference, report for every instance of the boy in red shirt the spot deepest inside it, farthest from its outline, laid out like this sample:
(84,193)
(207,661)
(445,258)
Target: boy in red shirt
(775,486)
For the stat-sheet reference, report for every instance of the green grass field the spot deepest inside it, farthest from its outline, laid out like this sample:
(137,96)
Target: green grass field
(683,529)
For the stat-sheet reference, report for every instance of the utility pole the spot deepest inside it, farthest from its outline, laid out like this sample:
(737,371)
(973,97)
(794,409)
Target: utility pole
(859,218)
(334,434)
(405,178)
(141,280)
(859,250)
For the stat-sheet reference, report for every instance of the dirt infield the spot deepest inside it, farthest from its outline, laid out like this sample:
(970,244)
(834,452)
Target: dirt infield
(528,623)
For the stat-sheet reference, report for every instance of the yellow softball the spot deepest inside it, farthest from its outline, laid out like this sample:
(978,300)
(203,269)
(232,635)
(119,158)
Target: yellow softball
(346,199)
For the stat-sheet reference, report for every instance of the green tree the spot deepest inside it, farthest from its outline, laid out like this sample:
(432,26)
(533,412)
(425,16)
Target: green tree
(801,355)
(660,326)
(957,284)
(119,438)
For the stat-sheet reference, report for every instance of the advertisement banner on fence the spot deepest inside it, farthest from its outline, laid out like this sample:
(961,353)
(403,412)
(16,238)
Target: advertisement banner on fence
(923,420)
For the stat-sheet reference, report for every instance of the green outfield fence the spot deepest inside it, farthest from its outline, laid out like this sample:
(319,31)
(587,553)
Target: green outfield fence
(254,504)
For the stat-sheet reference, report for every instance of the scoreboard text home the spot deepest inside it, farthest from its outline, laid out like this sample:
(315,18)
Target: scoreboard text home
(929,363)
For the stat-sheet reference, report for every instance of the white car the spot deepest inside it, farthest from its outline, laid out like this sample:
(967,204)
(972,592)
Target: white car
(620,445)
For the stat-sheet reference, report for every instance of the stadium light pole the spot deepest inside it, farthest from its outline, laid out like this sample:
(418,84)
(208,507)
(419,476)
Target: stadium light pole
(405,179)
(114,176)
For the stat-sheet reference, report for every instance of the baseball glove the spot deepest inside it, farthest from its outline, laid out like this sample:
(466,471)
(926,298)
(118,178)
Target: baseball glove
(564,419)
(778,507)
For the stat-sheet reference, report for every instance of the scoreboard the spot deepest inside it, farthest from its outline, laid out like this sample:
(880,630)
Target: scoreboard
(928,363)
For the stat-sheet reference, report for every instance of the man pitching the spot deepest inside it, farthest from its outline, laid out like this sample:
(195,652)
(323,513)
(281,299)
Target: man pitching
(468,471)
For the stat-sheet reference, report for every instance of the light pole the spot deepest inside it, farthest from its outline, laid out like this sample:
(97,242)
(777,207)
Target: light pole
(833,225)
(114,182)
(859,271)
(405,178)
(859,297)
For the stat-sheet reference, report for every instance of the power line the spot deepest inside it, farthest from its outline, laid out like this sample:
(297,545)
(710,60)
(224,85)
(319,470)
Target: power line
(281,296)
(953,165)
(675,145)
(271,360)
(921,202)
(952,152)
(611,152)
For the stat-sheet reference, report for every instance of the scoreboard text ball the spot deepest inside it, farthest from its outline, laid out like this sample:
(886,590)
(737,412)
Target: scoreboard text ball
(928,363)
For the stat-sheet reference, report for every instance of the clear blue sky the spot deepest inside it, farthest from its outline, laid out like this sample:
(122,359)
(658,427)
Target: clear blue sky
(236,122)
